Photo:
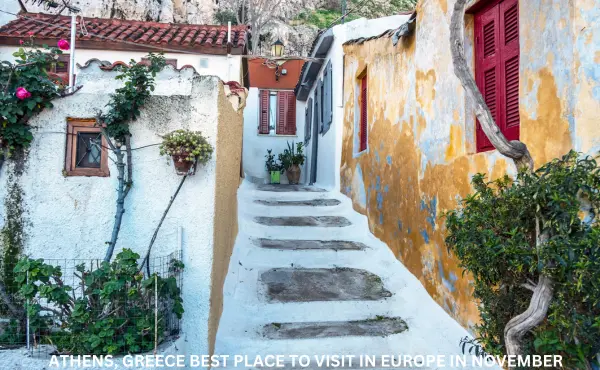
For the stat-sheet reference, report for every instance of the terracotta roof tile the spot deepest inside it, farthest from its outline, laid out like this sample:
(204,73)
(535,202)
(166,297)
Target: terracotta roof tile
(113,34)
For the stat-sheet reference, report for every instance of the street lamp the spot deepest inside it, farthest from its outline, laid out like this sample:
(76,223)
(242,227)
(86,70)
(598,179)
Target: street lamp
(277,48)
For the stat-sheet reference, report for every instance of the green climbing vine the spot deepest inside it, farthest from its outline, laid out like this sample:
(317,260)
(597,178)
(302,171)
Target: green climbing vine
(123,108)
(493,235)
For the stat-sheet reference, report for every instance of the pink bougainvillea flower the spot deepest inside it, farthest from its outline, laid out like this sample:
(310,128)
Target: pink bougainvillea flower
(63,45)
(21,42)
(31,33)
(22,93)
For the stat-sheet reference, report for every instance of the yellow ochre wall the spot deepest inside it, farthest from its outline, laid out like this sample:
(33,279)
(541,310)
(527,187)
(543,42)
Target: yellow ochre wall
(229,158)
(421,130)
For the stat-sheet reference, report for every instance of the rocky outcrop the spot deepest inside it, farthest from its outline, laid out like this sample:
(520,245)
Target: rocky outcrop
(176,11)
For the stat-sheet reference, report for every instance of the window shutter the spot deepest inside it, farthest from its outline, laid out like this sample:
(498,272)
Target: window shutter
(290,118)
(363,113)
(308,121)
(321,105)
(328,99)
(281,113)
(487,68)
(263,126)
(509,59)
(317,115)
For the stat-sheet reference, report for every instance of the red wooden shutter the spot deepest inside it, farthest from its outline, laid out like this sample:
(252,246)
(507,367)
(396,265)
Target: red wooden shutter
(363,113)
(486,68)
(509,60)
(290,121)
(263,125)
(281,112)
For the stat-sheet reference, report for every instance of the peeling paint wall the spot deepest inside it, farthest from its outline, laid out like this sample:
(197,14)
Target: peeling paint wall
(421,150)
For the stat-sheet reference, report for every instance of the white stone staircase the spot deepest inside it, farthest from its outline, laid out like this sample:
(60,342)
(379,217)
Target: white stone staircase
(249,307)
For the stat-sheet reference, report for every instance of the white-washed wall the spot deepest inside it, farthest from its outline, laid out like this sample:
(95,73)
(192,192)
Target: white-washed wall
(255,145)
(72,217)
(226,68)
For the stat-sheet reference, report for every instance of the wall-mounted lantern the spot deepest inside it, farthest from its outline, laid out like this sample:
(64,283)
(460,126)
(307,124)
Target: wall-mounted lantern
(277,49)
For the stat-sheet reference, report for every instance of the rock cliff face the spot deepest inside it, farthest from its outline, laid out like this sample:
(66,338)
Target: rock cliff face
(176,11)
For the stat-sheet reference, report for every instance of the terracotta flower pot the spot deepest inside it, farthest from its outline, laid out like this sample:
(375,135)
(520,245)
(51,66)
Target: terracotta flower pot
(293,174)
(182,165)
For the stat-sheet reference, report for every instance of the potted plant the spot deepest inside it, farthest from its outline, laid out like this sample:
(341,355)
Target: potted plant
(273,167)
(187,149)
(291,159)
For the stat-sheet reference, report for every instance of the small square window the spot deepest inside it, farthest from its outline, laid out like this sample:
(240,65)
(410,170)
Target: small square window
(86,153)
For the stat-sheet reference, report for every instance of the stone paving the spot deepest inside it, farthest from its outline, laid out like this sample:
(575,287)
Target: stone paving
(284,244)
(307,277)
(306,285)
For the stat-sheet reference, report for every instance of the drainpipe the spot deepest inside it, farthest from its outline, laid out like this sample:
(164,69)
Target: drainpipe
(72,51)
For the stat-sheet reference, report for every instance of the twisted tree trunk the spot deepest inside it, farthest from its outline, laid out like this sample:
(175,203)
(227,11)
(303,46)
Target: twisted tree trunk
(519,325)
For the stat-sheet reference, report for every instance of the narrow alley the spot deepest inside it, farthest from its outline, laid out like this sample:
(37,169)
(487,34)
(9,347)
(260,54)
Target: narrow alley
(307,277)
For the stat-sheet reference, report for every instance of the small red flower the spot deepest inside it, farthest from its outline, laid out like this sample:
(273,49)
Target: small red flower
(22,93)
(63,45)
(21,42)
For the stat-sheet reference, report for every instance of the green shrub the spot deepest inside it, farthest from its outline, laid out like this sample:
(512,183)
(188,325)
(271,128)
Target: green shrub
(493,233)
(115,313)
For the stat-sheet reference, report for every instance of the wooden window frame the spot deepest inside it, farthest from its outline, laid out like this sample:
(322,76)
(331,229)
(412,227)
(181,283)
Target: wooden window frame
(75,126)
(285,121)
(363,119)
(505,53)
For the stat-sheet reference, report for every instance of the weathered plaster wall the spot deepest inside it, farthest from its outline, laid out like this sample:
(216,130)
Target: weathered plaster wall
(329,144)
(255,145)
(229,158)
(421,143)
(72,217)
(226,68)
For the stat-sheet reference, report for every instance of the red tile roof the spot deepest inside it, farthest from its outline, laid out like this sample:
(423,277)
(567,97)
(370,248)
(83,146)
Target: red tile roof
(115,34)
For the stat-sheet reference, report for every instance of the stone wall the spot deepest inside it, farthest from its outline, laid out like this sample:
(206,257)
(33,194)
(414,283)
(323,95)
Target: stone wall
(421,128)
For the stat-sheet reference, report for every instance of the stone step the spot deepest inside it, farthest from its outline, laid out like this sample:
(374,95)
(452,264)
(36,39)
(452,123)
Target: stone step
(312,203)
(310,244)
(317,221)
(377,327)
(322,284)
(281,188)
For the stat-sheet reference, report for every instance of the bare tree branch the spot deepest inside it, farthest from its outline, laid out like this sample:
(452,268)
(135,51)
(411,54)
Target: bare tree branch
(518,326)
(146,260)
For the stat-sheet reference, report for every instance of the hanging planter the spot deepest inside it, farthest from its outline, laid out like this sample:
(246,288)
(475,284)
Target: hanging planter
(187,149)
(182,165)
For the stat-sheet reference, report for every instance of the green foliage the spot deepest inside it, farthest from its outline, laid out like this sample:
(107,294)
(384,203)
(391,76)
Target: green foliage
(11,237)
(323,18)
(125,103)
(271,164)
(191,144)
(13,334)
(493,233)
(292,156)
(115,313)
(223,16)
(327,14)
(29,71)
